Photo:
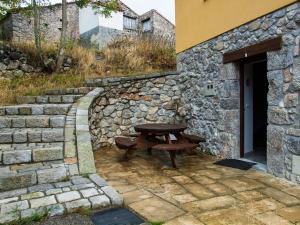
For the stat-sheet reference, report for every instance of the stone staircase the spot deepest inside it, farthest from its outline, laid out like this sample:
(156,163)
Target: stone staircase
(33,138)
(44,146)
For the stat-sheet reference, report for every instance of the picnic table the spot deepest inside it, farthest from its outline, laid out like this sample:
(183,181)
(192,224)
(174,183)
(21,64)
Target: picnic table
(159,136)
(147,140)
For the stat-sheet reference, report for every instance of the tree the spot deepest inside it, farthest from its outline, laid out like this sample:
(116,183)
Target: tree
(100,7)
(37,30)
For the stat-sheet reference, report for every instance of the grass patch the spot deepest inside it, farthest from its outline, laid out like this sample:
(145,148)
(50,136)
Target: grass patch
(156,223)
(36,84)
(36,217)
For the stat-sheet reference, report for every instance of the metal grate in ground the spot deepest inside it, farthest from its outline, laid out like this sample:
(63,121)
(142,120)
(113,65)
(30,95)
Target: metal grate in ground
(118,216)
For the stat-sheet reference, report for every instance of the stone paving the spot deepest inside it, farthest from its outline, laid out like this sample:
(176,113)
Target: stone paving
(199,192)
(59,198)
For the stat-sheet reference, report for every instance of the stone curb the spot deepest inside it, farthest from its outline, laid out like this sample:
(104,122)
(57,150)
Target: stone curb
(117,80)
(83,137)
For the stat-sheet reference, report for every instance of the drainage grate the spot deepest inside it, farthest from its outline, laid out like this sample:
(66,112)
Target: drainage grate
(234,163)
(116,217)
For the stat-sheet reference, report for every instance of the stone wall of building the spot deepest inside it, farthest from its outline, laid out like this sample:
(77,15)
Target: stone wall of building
(6,29)
(22,24)
(99,37)
(133,100)
(217,116)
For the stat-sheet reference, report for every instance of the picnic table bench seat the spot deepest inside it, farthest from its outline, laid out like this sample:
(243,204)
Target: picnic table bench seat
(173,148)
(193,138)
(125,142)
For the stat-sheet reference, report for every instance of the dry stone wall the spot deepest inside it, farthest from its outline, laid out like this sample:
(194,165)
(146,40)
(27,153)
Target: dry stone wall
(134,100)
(217,116)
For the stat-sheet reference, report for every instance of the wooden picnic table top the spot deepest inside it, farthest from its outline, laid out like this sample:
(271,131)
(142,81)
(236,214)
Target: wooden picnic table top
(160,128)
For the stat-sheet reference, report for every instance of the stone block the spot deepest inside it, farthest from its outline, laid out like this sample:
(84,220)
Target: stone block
(78,204)
(40,187)
(56,122)
(25,110)
(45,201)
(13,193)
(82,186)
(100,201)
(278,116)
(56,109)
(68,98)
(18,122)
(37,122)
(275,161)
(55,99)
(33,212)
(12,111)
(296,165)
(5,123)
(14,157)
(42,99)
(68,196)
(34,136)
(37,110)
(51,175)
(8,200)
(293,144)
(115,197)
(25,99)
(86,193)
(56,210)
(32,195)
(47,154)
(80,180)
(73,169)
(275,94)
(54,191)
(8,217)
(15,181)
(53,135)
(5,137)
(20,137)
(11,207)
(98,180)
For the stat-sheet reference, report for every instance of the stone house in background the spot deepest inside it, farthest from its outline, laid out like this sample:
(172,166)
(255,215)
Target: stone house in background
(93,29)
(125,22)
(18,26)
(243,79)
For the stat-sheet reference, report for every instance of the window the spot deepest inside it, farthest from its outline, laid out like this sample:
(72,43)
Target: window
(130,23)
(146,25)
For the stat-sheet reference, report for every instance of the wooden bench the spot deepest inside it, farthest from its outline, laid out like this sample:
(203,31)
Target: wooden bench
(173,148)
(193,138)
(127,144)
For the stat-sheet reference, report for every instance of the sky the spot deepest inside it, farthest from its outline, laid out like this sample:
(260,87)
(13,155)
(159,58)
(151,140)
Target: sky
(165,7)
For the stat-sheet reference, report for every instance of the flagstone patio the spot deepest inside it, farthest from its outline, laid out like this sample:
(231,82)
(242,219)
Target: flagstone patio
(199,192)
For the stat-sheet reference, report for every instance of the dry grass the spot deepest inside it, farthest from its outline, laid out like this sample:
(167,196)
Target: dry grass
(138,54)
(36,85)
(123,57)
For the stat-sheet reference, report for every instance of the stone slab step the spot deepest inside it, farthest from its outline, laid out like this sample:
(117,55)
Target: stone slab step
(22,146)
(47,99)
(31,155)
(37,109)
(36,121)
(70,91)
(51,174)
(31,135)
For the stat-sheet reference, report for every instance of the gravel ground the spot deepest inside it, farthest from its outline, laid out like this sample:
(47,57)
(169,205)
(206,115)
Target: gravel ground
(73,219)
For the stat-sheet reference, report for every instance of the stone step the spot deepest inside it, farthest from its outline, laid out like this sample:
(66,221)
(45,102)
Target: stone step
(17,146)
(34,155)
(37,109)
(32,175)
(70,91)
(31,135)
(36,121)
(47,99)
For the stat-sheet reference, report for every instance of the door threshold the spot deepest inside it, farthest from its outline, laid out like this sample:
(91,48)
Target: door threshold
(258,166)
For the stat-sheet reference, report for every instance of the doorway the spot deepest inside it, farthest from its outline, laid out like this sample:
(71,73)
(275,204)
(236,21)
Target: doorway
(254,104)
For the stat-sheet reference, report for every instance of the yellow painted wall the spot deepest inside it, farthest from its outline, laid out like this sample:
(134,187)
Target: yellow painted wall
(200,20)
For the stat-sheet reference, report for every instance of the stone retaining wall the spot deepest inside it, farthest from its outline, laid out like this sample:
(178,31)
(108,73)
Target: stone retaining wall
(217,116)
(128,101)
(15,63)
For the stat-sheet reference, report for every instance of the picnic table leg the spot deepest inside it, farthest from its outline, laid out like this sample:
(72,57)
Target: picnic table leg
(173,157)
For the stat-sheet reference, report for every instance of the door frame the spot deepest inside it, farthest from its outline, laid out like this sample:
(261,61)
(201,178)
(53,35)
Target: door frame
(242,63)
